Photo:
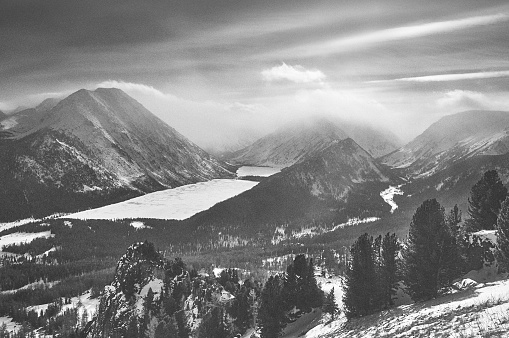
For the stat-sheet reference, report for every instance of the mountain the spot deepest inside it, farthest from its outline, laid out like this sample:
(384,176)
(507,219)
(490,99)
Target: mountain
(2,115)
(451,139)
(47,104)
(295,142)
(340,181)
(92,148)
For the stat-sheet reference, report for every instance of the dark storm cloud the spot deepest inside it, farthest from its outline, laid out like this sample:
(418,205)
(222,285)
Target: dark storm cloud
(83,23)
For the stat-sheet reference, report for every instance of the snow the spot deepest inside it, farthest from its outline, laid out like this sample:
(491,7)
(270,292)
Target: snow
(355,221)
(87,304)
(257,171)
(490,235)
(23,237)
(8,225)
(156,285)
(178,203)
(480,311)
(11,325)
(140,225)
(9,123)
(31,286)
(46,253)
(388,196)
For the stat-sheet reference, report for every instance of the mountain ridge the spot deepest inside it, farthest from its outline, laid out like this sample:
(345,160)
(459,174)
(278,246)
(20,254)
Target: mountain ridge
(99,142)
(452,138)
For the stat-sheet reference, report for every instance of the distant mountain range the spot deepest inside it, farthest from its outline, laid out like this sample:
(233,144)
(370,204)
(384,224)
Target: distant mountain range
(299,140)
(91,148)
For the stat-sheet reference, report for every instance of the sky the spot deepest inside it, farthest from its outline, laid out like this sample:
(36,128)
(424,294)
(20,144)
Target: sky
(224,72)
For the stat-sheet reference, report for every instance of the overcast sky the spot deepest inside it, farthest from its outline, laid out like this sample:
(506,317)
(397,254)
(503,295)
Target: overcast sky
(207,65)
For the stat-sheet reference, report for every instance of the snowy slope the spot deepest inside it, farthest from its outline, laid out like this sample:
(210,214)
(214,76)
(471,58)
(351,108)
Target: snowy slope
(482,311)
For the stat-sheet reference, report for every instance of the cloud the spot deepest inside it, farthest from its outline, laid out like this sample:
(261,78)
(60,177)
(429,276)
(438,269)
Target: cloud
(214,126)
(297,74)
(464,100)
(363,40)
(451,77)
(132,87)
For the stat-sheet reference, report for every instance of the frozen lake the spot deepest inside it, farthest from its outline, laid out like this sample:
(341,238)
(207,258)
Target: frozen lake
(178,203)
(257,171)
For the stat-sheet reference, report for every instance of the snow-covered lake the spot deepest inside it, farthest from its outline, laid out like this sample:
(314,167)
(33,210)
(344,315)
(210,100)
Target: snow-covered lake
(178,203)
(257,171)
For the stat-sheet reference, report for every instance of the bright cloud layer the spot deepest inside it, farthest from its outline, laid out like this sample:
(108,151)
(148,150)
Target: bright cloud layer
(455,77)
(363,40)
(297,74)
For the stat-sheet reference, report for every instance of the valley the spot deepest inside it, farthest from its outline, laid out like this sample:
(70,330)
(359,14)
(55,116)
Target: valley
(309,190)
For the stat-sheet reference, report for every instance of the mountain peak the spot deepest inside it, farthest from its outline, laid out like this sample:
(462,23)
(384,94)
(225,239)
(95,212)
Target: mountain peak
(452,138)
(98,146)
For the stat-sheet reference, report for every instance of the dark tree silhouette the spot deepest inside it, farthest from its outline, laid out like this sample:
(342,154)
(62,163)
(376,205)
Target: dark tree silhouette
(503,235)
(426,255)
(360,287)
(485,199)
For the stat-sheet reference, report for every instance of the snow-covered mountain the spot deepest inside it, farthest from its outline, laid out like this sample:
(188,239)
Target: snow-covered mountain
(300,140)
(451,139)
(101,144)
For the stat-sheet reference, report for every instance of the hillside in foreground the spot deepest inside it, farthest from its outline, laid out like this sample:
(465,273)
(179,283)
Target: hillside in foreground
(479,311)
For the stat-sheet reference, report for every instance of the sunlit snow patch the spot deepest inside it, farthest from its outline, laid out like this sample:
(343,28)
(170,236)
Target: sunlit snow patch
(179,203)
(23,237)
(8,225)
(140,225)
(388,196)
(355,221)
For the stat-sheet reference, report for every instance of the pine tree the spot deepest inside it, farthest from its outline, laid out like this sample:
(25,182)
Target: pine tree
(271,316)
(290,291)
(503,235)
(388,269)
(360,286)
(330,306)
(312,294)
(425,255)
(485,199)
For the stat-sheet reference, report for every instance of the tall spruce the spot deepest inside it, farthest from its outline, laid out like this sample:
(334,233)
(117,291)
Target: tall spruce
(389,269)
(329,305)
(503,236)
(271,315)
(425,257)
(313,295)
(485,199)
(360,285)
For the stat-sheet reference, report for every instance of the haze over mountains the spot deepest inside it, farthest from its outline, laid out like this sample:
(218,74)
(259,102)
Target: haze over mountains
(301,139)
